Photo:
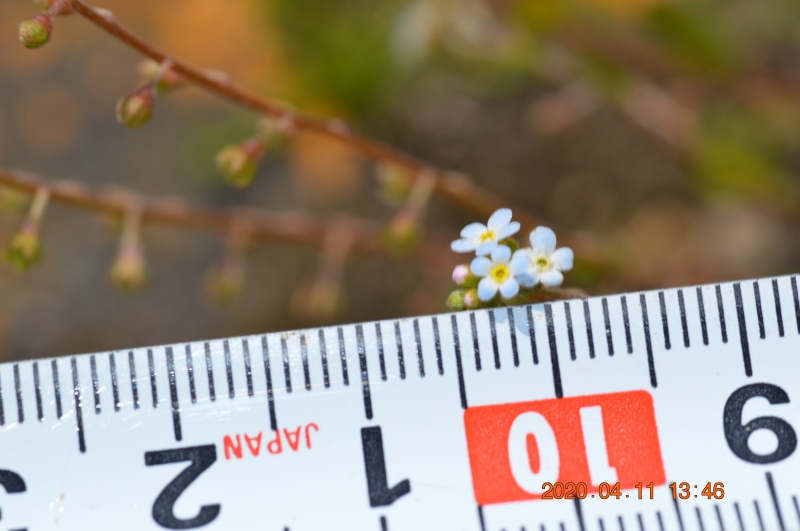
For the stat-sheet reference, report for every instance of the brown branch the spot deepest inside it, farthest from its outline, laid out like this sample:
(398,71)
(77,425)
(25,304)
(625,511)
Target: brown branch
(453,186)
(291,226)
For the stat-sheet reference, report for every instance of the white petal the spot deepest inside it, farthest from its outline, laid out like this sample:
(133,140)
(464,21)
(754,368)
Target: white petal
(519,263)
(501,254)
(487,289)
(509,288)
(528,280)
(473,230)
(562,259)
(463,246)
(499,219)
(480,266)
(486,247)
(543,241)
(551,277)
(509,230)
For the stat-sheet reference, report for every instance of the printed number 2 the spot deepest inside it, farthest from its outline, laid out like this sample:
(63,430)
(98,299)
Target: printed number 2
(201,457)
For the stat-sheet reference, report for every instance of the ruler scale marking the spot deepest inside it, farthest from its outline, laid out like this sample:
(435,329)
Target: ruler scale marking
(512,330)
(37,387)
(702,308)
(381,360)
(664,321)
(287,373)
(173,393)
(607,320)
(699,518)
(95,384)
(778,311)
(684,324)
(248,367)
(796,509)
(796,303)
(678,514)
(475,346)
(57,390)
(532,335)
(323,354)
(641,522)
(570,336)
(721,308)
(190,373)
(493,333)
(362,360)
(437,343)
(459,369)
(776,505)
(648,340)
(626,323)
(589,335)
(719,517)
(343,356)
(112,363)
(418,348)
(76,394)
(398,338)
(759,312)
(660,521)
(152,366)
(737,291)
(304,356)
(739,516)
(210,371)
(758,514)
(273,423)
(229,369)
(18,393)
(551,336)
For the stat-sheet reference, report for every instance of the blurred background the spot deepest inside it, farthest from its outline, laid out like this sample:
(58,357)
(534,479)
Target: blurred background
(667,130)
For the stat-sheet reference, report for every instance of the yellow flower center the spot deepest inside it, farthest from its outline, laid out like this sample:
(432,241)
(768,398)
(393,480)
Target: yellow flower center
(488,235)
(542,262)
(500,273)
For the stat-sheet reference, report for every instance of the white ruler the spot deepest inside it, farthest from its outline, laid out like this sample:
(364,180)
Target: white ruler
(451,422)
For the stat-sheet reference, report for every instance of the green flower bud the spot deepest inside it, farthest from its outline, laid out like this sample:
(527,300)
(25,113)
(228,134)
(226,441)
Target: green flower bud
(128,272)
(35,32)
(25,249)
(225,284)
(46,5)
(168,79)
(471,300)
(135,109)
(403,233)
(455,301)
(238,163)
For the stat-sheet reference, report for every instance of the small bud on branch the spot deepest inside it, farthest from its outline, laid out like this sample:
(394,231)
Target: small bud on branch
(134,110)
(161,75)
(54,7)
(238,163)
(225,284)
(35,32)
(25,248)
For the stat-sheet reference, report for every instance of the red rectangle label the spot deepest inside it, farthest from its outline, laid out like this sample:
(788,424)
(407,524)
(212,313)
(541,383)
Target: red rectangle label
(515,448)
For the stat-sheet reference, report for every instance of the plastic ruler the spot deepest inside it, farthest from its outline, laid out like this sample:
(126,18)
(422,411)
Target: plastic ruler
(449,422)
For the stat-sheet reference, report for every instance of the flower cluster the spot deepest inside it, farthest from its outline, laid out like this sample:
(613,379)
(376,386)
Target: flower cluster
(503,273)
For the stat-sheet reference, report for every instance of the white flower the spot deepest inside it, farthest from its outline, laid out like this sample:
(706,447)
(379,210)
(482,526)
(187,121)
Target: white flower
(482,238)
(544,263)
(498,273)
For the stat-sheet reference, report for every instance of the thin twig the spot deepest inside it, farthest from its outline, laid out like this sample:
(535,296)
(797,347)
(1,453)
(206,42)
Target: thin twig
(288,226)
(454,186)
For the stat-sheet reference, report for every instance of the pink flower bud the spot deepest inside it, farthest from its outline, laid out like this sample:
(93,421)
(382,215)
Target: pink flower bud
(471,300)
(135,109)
(35,32)
(460,274)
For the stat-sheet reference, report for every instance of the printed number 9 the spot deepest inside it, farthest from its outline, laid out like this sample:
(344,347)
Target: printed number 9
(738,435)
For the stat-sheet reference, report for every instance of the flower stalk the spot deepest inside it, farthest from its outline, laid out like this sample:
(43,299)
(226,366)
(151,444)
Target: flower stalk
(404,231)
(129,271)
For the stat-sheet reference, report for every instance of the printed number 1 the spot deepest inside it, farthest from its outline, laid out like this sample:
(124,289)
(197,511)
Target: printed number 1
(201,457)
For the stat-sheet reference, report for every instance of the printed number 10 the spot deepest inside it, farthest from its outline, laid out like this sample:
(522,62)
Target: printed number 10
(650,487)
